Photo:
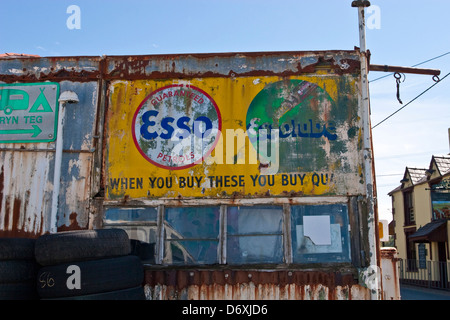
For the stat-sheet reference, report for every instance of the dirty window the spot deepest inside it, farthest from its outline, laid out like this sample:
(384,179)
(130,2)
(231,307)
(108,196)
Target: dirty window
(118,215)
(191,235)
(139,223)
(320,233)
(141,226)
(254,235)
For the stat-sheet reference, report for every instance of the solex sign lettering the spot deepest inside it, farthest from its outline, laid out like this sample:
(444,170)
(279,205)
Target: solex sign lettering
(28,112)
(176,127)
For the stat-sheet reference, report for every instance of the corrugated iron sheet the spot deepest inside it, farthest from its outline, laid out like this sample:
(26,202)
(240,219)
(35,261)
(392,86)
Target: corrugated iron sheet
(24,205)
(252,285)
(26,169)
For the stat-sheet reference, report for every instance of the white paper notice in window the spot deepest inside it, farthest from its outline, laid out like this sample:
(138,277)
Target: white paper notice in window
(318,229)
(317,235)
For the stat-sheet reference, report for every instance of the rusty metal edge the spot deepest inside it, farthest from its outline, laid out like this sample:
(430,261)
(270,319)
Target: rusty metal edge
(114,67)
(134,66)
(40,69)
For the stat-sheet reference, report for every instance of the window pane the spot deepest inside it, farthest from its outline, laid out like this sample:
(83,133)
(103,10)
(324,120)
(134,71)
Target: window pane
(320,233)
(254,220)
(409,207)
(142,237)
(254,249)
(116,215)
(254,235)
(192,235)
(191,252)
(192,222)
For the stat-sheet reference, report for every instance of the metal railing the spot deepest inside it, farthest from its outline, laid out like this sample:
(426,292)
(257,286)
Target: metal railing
(430,274)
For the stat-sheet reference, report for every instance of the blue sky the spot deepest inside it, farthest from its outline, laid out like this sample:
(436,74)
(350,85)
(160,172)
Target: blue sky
(407,32)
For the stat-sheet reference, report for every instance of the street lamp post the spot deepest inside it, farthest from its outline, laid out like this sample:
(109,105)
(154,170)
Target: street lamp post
(367,153)
(64,98)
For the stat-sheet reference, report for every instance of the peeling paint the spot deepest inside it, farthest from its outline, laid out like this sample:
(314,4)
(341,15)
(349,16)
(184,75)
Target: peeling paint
(334,162)
(27,168)
(251,285)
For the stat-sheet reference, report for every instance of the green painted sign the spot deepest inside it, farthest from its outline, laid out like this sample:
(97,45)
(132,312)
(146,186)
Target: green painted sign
(313,129)
(28,112)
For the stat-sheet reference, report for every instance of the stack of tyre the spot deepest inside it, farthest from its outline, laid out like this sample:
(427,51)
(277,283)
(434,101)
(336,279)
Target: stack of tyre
(88,265)
(18,269)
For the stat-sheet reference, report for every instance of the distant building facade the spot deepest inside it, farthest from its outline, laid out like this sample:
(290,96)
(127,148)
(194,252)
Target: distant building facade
(421,213)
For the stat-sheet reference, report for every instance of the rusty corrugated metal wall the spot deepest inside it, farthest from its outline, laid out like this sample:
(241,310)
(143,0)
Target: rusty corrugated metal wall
(26,169)
(253,285)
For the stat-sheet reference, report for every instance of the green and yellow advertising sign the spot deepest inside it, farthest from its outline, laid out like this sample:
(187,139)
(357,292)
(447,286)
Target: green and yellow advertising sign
(234,137)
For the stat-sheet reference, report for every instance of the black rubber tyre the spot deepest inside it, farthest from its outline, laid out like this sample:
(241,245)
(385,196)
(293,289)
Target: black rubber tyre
(18,269)
(17,248)
(81,245)
(19,291)
(136,293)
(145,251)
(95,276)
(12,271)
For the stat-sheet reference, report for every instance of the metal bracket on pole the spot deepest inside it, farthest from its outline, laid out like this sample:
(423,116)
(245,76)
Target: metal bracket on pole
(385,68)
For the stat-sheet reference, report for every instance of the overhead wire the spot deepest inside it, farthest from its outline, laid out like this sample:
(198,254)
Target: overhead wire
(390,174)
(440,80)
(418,64)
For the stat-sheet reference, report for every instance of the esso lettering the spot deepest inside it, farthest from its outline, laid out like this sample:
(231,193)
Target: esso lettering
(179,128)
(176,126)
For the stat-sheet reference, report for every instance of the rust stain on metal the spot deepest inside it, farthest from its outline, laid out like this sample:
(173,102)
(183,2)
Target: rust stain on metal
(209,65)
(169,66)
(53,68)
(73,224)
(24,195)
(251,284)
(16,214)
(14,219)
(390,276)
(388,253)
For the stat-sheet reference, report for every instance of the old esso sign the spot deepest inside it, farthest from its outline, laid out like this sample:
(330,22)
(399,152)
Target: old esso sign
(28,112)
(176,127)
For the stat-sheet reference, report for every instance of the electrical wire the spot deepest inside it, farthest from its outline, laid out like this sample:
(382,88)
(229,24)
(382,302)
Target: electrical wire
(444,54)
(390,174)
(411,101)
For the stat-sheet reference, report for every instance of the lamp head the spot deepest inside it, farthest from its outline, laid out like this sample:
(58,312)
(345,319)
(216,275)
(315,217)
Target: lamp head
(68,97)
(361,3)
